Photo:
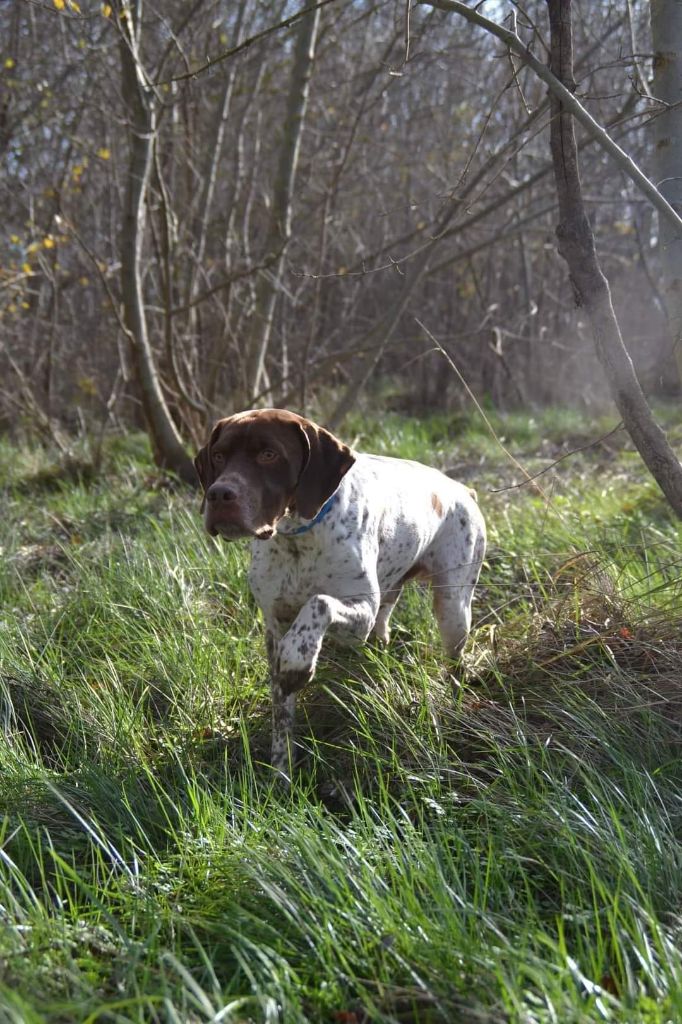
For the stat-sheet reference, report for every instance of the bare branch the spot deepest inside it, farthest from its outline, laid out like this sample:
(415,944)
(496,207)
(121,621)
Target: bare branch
(234,50)
(567,98)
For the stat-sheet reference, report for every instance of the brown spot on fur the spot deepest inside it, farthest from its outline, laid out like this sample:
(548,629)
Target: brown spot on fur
(437,505)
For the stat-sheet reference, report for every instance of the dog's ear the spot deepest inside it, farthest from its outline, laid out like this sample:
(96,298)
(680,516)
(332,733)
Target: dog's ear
(203,464)
(328,461)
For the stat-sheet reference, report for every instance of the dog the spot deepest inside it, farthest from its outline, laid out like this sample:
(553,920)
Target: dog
(335,535)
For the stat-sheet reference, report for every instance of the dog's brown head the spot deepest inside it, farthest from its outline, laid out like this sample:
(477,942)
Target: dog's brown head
(259,464)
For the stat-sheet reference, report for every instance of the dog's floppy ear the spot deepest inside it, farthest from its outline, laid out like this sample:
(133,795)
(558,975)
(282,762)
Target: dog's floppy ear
(328,461)
(203,464)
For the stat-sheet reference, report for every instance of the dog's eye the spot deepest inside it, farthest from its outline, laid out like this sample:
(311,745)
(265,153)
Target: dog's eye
(218,457)
(266,455)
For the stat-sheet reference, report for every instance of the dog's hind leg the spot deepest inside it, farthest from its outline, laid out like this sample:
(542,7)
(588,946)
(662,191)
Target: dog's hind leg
(453,581)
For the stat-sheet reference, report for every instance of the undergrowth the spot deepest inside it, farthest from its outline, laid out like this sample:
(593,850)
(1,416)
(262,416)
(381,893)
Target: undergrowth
(500,847)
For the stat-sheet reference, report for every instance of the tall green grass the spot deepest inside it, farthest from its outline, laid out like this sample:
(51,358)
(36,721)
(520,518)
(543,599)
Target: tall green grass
(500,847)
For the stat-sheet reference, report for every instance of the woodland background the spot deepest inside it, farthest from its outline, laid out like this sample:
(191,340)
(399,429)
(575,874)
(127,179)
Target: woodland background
(205,208)
(280,217)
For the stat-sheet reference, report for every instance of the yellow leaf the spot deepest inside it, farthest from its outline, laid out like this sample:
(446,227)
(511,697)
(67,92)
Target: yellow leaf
(48,242)
(103,153)
(25,305)
(74,6)
(26,267)
(59,4)
(11,308)
(106,10)
(87,385)
(14,239)
(33,247)
(84,281)
(9,63)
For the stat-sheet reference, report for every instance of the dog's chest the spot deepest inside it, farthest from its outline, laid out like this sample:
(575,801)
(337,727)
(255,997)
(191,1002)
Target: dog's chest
(286,572)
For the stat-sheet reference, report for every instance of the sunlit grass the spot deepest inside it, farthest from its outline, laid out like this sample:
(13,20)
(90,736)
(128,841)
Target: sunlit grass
(505,847)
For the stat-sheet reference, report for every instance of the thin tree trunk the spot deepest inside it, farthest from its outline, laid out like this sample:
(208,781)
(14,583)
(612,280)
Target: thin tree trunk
(576,245)
(213,166)
(166,442)
(380,335)
(279,228)
(666,36)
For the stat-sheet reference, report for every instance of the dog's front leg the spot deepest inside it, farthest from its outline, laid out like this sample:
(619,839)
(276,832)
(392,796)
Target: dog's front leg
(283,716)
(293,660)
(301,644)
(283,713)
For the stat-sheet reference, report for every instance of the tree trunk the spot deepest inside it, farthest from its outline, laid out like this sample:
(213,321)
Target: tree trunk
(140,104)
(279,228)
(576,245)
(380,335)
(666,36)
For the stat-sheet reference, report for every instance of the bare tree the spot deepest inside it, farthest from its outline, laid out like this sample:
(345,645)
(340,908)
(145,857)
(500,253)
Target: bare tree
(307,287)
(140,103)
(666,33)
(576,240)
(576,245)
(279,223)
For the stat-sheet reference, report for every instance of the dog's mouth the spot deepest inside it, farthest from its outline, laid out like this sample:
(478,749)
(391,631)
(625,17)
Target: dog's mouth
(233,521)
(237,531)
(264,532)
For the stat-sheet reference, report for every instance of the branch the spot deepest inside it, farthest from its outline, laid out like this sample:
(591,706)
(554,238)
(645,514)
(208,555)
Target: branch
(234,50)
(529,479)
(571,104)
(566,455)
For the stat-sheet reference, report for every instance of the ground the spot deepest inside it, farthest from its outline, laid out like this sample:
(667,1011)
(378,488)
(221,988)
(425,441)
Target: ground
(503,846)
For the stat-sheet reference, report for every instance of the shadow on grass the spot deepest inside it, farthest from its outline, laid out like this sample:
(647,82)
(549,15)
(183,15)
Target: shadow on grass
(581,684)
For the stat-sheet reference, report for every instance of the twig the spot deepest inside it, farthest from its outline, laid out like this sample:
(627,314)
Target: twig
(570,103)
(234,50)
(478,405)
(566,455)
(66,224)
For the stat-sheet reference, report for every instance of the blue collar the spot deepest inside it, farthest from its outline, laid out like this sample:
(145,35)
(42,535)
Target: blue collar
(327,507)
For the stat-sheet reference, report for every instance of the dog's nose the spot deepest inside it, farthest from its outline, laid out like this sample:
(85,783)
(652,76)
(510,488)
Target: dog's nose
(220,492)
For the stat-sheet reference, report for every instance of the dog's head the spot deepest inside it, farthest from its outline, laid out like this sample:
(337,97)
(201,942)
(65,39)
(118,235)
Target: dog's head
(259,464)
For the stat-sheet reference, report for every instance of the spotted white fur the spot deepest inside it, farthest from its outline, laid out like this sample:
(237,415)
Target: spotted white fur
(391,520)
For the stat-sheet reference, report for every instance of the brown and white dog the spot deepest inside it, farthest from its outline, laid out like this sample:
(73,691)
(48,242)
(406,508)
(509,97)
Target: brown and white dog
(335,536)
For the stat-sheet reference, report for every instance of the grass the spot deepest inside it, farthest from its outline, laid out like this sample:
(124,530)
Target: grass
(507,852)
